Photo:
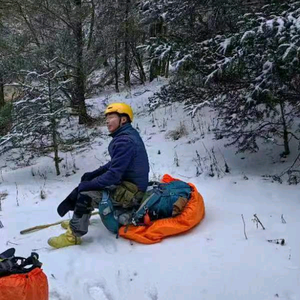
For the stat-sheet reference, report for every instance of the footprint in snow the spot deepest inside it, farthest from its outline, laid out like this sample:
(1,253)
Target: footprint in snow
(152,293)
(124,278)
(98,291)
(109,245)
(55,295)
(288,295)
(216,253)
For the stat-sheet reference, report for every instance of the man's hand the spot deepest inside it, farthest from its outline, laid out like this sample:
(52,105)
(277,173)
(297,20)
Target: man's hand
(88,176)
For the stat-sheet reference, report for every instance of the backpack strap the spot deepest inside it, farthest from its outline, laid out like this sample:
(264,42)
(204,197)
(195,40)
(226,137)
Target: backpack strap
(151,200)
(106,212)
(9,253)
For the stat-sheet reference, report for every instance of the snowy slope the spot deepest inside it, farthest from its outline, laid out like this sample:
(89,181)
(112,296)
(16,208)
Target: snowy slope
(213,261)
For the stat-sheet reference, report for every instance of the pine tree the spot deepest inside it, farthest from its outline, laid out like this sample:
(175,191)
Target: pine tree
(250,77)
(258,75)
(37,116)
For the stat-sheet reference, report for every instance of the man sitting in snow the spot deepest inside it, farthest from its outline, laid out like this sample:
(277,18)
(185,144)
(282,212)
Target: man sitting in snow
(126,176)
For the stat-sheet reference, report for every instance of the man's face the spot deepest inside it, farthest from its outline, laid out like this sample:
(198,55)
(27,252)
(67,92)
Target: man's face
(112,122)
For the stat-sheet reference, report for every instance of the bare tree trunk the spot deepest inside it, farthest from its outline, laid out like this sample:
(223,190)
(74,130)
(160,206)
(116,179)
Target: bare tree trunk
(127,48)
(53,130)
(285,130)
(154,69)
(78,101)
(167,67)
(2,103)
(91,25)
(139,63)
(116,66)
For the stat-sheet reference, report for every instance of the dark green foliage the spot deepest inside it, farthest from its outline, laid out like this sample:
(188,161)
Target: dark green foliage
(5,118)
(250,77)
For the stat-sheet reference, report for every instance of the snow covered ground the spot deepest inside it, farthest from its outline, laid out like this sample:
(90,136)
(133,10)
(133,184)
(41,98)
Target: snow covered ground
(212,261)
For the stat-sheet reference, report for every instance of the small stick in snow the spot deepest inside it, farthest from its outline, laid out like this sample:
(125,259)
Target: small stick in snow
(1,225)
(17,195)
(244,227)
(283,220)
(258,220)
(277,241)
(8,242)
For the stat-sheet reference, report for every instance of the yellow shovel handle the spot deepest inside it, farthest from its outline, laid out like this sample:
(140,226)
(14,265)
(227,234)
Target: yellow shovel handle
(39,227)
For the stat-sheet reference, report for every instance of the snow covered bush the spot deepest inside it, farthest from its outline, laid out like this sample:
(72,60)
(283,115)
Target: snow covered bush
(250,77)
(173,28)
(257,72)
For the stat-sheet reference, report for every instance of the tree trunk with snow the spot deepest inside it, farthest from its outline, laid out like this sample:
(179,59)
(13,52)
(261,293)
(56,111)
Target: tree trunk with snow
(116,66)
(285,130)
(78,100)
(53,129)
(127,47)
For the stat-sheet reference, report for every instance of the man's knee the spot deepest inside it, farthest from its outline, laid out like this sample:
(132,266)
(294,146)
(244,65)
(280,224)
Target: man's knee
(83,204)
(87,201)
(96,197)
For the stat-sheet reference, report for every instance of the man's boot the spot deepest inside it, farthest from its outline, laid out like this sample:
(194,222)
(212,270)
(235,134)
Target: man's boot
(64,240)
(65,224)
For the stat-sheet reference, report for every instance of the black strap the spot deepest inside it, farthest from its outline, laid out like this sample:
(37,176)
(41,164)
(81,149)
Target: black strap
(19,265)
(9,253)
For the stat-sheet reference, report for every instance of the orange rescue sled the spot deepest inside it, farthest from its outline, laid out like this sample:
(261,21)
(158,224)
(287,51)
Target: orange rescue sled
(192,215)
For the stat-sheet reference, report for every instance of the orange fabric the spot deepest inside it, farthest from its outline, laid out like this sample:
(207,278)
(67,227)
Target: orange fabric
(30,286)
(191,216)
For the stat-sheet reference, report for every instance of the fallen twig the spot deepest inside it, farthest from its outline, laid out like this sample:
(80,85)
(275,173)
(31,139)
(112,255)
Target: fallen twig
(284,172)
(258,220)
(8,242)
(283,220)
(17,194)
(244,227)
(277,241)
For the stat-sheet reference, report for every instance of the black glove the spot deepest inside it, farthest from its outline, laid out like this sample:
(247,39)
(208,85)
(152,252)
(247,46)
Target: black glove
(68,204)
(83,205)
(88,176)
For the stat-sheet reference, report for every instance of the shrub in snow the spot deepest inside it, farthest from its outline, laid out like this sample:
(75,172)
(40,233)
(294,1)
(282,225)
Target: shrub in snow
(3,195)
(178,132)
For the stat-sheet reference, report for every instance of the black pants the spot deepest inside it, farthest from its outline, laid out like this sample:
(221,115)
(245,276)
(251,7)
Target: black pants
(79,223)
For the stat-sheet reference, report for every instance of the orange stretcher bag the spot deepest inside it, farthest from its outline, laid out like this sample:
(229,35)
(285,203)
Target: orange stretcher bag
(192,215)
(22,279)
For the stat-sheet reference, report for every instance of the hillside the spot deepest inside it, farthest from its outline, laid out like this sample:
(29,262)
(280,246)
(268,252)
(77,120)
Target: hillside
(212,261)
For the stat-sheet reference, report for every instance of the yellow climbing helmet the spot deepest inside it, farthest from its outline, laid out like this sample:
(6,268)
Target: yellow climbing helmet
(120,108)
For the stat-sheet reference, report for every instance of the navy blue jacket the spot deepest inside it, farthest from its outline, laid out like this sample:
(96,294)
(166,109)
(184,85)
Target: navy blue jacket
(129,162)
